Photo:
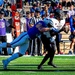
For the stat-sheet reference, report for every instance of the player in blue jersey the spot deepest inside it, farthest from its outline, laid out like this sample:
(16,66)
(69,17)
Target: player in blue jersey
(24,39)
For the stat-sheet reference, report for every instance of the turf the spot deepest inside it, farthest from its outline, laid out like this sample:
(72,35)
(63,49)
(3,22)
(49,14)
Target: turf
(27,65)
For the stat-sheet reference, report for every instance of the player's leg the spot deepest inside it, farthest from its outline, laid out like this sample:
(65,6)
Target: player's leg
(47,47)
(58,38)
(20,41)
(43,61)
(21,52)
(51,53)
(17,42)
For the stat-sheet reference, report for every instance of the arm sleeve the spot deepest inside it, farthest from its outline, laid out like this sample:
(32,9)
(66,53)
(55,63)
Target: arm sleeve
(71,24)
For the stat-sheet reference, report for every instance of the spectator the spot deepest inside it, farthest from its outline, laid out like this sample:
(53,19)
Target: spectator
(23,22)
(2,9)
(6,3)
(45,11)
(73,2)
(31,2)
(32,42)
(9,35)
(68,4)
(72,39)
(37,42)
(64,4)
(8,11)
(28,18)
(38,3)
(70,13)
(58,39)
(3,24)
(32,14)
(33,8)
(27,27)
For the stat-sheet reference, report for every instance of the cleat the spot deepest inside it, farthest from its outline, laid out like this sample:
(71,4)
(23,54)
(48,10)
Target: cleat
(70,52)
(40,67)
(5,63)
(51,64)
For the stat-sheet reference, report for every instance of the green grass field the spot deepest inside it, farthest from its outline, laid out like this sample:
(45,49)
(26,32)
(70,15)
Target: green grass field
(27,65)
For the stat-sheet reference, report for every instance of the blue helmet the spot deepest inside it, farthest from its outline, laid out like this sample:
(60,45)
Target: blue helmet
(48,22)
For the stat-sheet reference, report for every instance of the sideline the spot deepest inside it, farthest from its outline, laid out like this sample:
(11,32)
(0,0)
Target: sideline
(38,56)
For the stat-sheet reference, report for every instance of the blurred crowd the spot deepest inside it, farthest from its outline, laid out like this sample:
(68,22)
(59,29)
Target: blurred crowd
(38,11)
(63,4)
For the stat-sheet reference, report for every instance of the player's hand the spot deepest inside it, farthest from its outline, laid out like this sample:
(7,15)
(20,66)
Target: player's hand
(74,32)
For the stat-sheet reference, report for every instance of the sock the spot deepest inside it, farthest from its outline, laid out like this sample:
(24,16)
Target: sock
(3,45)
(14,56)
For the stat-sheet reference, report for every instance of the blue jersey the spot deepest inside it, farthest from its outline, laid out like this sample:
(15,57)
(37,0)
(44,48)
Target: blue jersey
(72,25)
(34,32)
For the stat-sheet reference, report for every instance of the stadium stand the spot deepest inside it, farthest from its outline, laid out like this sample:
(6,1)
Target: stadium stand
(64,43)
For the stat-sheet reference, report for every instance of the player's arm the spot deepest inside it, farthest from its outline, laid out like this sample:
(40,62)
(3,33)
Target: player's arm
(44,29)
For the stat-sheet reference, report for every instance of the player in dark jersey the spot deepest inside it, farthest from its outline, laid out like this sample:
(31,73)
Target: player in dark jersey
(48,38)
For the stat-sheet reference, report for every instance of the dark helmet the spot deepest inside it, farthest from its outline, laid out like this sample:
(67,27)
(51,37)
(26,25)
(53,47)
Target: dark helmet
(58,13)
